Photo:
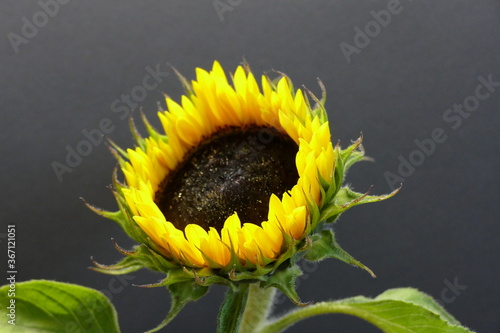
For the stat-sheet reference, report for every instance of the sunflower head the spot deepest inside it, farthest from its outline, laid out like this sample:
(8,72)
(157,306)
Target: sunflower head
(241,182)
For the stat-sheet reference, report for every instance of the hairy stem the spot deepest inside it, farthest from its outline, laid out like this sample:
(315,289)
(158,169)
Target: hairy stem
(257,308)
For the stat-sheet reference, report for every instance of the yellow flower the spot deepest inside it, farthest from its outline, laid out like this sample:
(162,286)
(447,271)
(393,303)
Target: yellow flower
(242,183)
(234,176)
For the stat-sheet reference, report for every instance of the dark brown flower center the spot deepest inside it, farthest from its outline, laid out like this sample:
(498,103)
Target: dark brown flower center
(235,170)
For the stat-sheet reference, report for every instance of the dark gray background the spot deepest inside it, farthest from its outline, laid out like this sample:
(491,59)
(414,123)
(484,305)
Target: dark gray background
(442,227)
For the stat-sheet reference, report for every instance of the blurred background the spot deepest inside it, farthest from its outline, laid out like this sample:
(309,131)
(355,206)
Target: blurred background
(419,79)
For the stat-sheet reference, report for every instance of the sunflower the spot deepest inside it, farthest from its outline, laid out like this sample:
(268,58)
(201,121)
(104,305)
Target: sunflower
(242,181)
(233,174)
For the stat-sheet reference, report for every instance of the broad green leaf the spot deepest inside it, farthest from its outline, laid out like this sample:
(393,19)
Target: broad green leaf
(402,310)
(414,296)
(49,306)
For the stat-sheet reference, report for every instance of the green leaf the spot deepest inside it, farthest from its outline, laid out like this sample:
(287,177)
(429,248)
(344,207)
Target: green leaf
(232,309)
(181,293)
(49,306)
(325,246)
(402,310)
(416,297)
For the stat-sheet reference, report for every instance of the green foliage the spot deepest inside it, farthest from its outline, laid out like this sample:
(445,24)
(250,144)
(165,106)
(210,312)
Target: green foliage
(49,306)
(402,310)
(416,297)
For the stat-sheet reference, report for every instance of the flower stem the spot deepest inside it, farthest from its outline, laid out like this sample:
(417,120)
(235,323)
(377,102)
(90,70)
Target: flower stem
(232,309)
(257,308)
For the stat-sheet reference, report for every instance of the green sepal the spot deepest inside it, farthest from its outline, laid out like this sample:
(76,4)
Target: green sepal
(176,275)
(344,159)
(232,309)
(338,173)
(211,279)
(188,88)
(117,185)
(315,214)
(319,108)
(274,82)
(151,259)
(325,246)
(116,151)
(119,216)
(347,198)
(123,216)
(259,274)
(125,266)
(151,130)
(290,248)
(181,294)
(136,134)
(284,280)
(353,154)
(140,256)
